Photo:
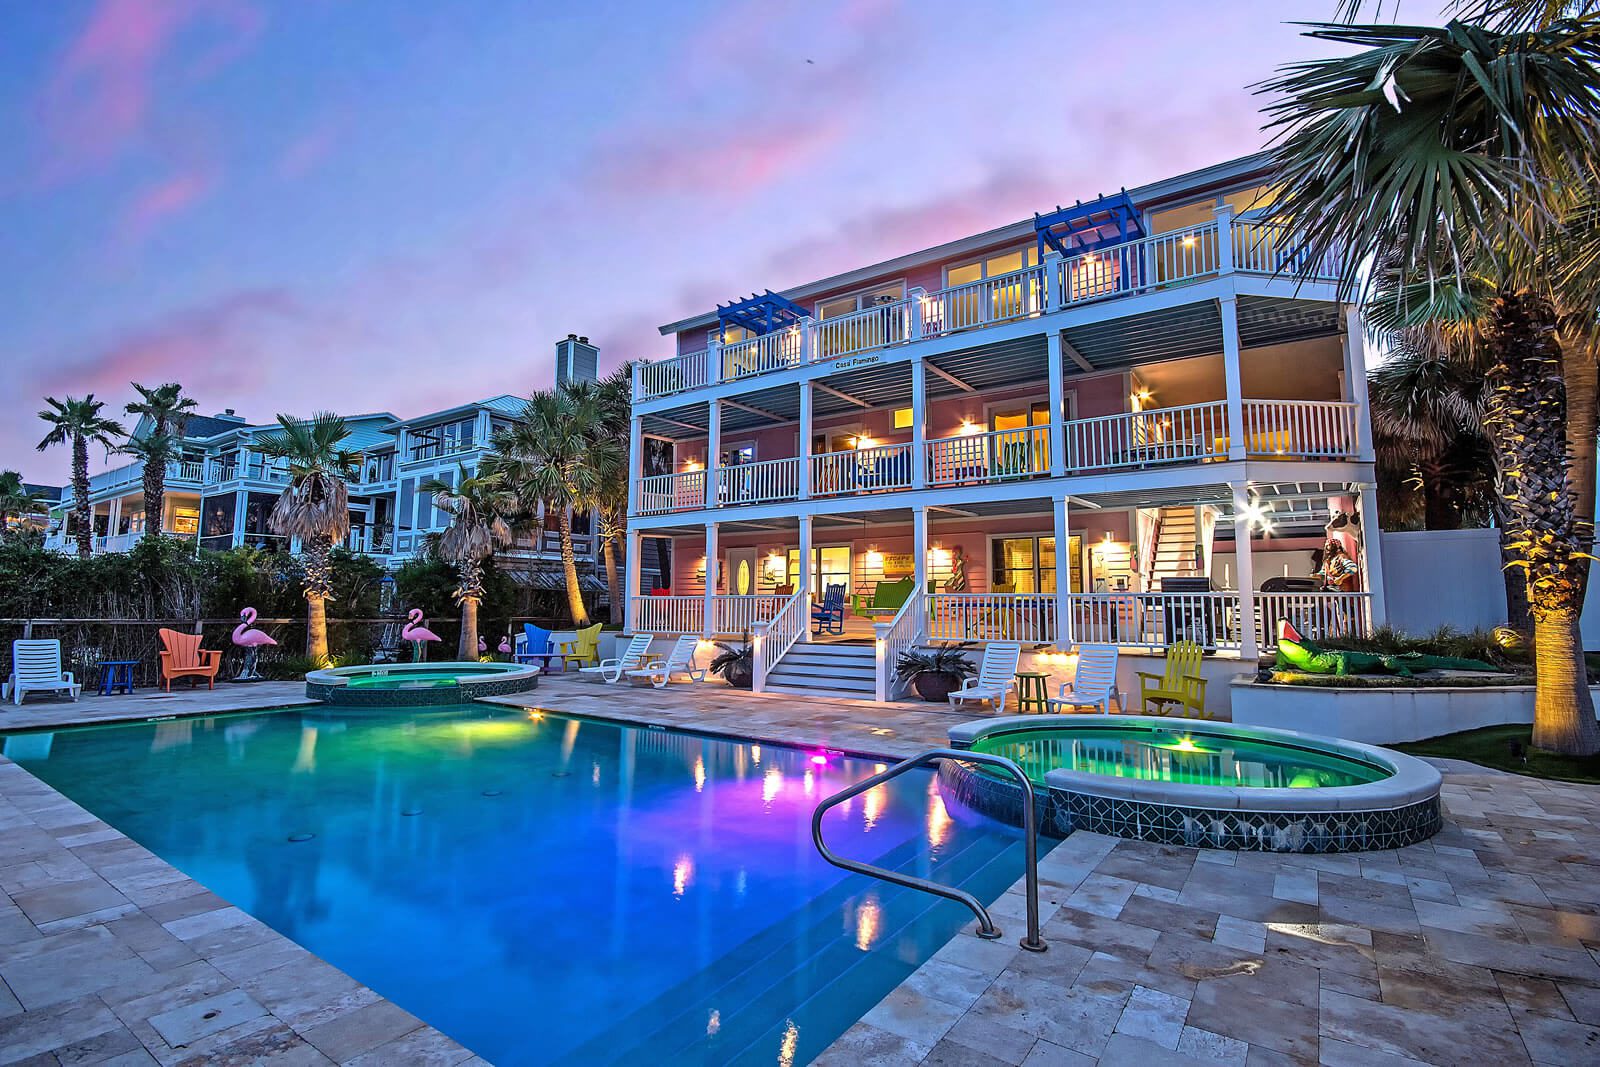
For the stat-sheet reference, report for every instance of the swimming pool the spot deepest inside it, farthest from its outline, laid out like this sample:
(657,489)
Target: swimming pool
(547,889)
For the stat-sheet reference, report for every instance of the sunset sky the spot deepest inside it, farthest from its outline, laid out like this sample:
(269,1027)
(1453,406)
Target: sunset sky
(368,205)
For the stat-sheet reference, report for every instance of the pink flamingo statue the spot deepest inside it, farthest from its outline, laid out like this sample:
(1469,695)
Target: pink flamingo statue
(483,646)
(247,637)
(416,633)
(505,646)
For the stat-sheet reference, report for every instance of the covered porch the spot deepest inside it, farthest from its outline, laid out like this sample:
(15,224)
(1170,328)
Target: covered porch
(1217,565)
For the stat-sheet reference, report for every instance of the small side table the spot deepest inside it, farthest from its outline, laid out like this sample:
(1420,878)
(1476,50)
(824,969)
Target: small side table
(116,674)
(1033,693)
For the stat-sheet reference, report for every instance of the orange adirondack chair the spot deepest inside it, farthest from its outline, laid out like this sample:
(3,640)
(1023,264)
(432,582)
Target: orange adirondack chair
(182,657)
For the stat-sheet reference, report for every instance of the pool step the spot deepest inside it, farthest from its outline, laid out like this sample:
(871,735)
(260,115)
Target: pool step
(810,951)
(826,670)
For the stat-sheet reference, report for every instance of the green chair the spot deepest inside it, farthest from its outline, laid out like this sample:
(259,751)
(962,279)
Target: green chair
(887,598)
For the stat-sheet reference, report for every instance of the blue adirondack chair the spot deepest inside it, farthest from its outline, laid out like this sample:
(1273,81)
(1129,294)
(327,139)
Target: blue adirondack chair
(828,616)
(534,643)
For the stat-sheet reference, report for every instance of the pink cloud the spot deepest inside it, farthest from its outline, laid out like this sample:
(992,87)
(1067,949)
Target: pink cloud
(308,151)
(738,166)
(160,202)
(99,97)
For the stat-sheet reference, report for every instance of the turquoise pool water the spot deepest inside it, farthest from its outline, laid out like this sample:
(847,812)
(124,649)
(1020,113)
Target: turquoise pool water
(1178,755)
(545,889)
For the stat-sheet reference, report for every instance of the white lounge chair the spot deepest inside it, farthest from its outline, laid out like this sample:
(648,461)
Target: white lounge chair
(679,661)
(1093,682)
(996,675)
(611,669)
(36,668)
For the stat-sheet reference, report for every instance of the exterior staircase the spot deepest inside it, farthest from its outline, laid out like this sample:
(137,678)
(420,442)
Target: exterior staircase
(840,671)
(1175,547)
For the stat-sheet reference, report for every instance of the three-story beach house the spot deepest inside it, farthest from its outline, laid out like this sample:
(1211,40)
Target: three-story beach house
(1133,420)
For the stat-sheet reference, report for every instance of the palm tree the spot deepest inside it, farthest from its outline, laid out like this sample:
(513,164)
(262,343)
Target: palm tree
(78,422)
(1453,153)
(154,451)
(615,395)
(168,410)
(477,506)
(314,507)
(17,499)
(557,457)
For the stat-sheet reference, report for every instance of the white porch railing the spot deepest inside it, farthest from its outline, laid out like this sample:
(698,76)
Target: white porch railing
(669,614)
(1269,248)
(683,491)
(895,637)
(1316,615)
(1184,434)
(763,354)
(755,483)
(1139,266)
(1301,429)
(874,327)
(733,614)
(667,376)
(1153,620)
(1025,617)
(998,455)
(983,303)
(773,639)
(861,470)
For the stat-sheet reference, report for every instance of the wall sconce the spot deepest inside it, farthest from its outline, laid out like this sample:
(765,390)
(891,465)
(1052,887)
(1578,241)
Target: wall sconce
(691,465)
(968,427)
(864,441)
(874,558)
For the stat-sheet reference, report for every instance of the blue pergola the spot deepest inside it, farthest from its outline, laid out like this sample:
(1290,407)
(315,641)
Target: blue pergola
(1110,220)
(761,313)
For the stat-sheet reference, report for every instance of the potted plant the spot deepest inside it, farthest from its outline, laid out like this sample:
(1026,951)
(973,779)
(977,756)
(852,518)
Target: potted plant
(736,663)
(935,673)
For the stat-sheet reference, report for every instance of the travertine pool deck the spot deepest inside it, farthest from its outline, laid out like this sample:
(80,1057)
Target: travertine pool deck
(1481,945)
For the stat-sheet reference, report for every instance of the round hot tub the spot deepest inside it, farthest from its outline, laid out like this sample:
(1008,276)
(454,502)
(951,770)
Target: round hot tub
(1200,783)
(416,685)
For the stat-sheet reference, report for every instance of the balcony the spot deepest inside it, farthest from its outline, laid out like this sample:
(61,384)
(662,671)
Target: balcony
(1146,265)
(180,473)
(1159,437)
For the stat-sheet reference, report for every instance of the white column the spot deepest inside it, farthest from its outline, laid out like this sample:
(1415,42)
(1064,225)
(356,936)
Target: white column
(713,493)
(1052,279)
(709,622)
(713,362)
(919,424)
(919,548)
(1233,374)
(916,308)
(1225,263)
(113,516)
(635,460)
(807,328)
(1058,407)
(1355,376)
(1244,565)
(807,415)
(632,566)
(802,577)
(1063,526)
(1372,557)
(240,500)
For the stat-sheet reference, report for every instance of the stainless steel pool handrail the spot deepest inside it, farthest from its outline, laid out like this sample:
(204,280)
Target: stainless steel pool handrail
(986,927)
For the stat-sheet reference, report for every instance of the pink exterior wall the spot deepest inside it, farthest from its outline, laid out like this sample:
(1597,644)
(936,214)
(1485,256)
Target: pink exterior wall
(972,536)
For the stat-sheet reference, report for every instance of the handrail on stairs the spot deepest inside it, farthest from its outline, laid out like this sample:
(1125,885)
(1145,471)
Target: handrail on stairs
(986,927)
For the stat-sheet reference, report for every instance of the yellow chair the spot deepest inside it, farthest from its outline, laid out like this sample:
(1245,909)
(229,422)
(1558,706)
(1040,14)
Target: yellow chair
(584,650)
(1179,683)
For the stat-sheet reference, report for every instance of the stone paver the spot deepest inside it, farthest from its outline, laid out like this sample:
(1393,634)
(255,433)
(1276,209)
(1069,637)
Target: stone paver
(1481,945)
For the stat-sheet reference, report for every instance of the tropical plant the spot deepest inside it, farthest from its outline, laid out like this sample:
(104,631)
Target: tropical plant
(615,394)
(477,506)
(1452,154)
(557,458)
(154,451)
(948,661)
(168,410)
(16,499)
(76,423)
(735,664)
(314,507)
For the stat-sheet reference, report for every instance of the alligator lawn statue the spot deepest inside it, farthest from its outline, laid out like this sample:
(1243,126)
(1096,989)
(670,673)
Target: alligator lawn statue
(1297,653)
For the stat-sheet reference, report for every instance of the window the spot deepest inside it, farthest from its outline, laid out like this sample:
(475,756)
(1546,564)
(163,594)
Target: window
(1028,564)
(992,266)
(829,566)
(185,520)
(434,441)
(989,303)
(833,307)
(1019,450)
(902,418)
(730,336)
(737,455)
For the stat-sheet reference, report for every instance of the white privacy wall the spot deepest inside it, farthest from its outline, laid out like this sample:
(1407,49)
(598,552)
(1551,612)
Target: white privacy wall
(1437,578)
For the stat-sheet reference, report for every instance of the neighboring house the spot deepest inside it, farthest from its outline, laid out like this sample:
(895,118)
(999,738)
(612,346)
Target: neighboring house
(222,490)
(37,520)
(1120,421)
